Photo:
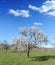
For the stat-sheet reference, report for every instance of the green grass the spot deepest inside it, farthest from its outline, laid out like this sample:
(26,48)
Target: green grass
(20,58)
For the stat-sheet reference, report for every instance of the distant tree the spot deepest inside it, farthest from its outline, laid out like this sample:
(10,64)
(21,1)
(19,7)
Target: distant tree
(5,45)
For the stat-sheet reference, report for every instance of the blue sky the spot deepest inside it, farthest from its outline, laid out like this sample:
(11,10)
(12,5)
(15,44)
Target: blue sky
(21,13)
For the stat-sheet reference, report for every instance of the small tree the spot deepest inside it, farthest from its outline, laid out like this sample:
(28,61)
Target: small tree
(5,45)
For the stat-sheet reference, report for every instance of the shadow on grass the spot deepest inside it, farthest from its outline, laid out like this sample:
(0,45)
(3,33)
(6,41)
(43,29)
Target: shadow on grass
(42,58)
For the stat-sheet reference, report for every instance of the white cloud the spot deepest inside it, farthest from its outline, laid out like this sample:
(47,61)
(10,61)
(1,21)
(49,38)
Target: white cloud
(47,7)
(38,23)
(15,13)
(51,13)
(33,7)
(23,13)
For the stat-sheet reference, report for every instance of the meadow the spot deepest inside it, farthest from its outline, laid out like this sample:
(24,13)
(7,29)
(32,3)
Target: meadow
(20,58)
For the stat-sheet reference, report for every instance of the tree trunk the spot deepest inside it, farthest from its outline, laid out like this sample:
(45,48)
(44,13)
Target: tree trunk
(28,50)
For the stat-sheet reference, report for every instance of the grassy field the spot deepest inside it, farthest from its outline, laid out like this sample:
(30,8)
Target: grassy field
(20,58)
